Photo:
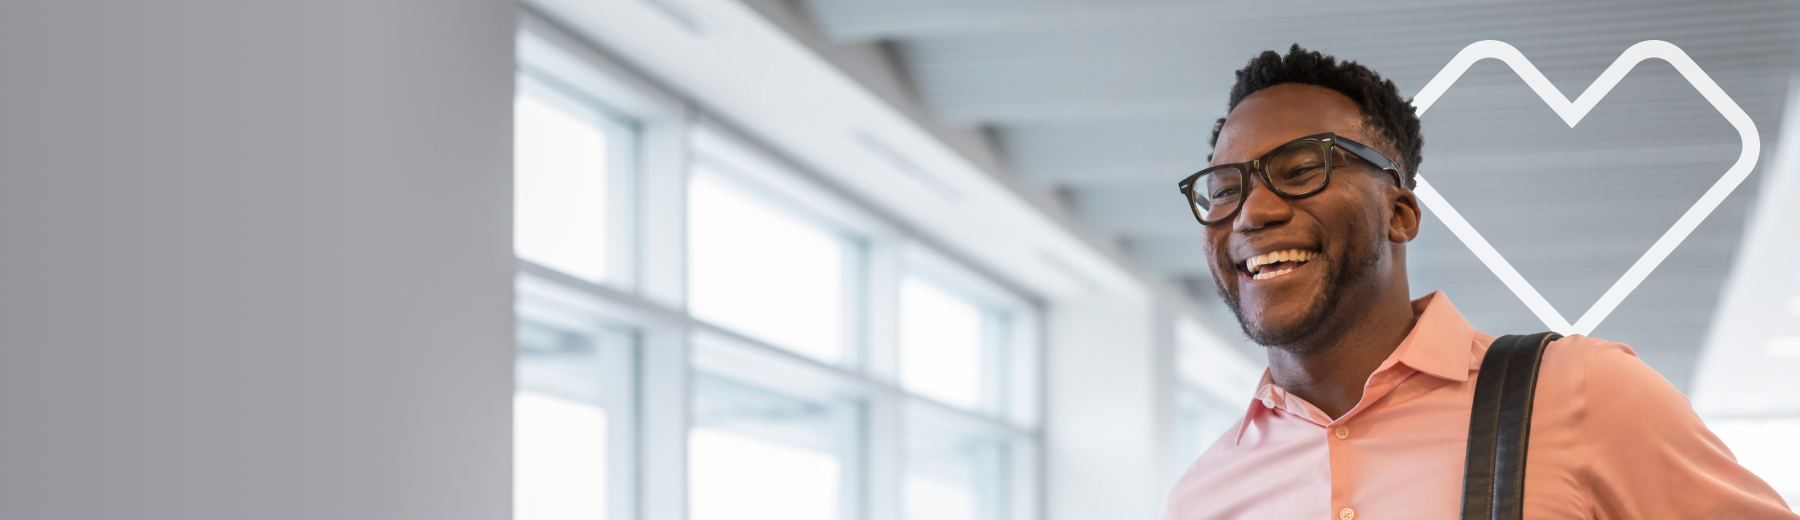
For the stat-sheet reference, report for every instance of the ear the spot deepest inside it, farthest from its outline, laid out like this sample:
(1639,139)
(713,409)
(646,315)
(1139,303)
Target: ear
(1403,225)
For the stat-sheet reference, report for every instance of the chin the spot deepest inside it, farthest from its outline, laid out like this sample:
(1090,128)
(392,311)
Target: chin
(1278,331)
(1284,324)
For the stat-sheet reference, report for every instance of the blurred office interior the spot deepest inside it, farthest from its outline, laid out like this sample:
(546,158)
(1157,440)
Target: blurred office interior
(784,259)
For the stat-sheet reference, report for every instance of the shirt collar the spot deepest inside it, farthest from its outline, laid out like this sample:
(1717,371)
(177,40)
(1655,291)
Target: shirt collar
(1441,341)
(1440,344)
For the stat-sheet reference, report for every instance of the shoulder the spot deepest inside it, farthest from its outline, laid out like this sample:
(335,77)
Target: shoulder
(1632,441)
(1601,366)
(1610,387)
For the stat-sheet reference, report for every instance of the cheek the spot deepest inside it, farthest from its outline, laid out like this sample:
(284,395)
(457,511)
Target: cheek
(1214,247)
(1347,213)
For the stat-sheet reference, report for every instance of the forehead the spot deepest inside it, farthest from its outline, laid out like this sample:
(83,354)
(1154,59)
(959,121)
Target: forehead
(1282,113)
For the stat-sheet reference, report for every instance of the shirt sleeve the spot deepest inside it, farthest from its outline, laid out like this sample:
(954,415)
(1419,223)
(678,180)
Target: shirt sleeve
(1650,455)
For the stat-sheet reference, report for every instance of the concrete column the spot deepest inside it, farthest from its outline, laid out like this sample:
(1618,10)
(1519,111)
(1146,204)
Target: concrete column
(255,259)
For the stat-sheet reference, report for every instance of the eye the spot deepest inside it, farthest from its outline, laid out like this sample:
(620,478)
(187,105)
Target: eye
(1304,170)
(1223,193)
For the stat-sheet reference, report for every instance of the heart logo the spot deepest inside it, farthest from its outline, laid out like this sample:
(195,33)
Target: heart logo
(1571,113)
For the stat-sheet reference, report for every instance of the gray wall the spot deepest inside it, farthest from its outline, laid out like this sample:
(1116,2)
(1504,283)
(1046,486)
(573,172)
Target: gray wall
(255,259)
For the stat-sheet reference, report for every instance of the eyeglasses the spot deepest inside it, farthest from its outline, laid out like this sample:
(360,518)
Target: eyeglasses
(1300,168)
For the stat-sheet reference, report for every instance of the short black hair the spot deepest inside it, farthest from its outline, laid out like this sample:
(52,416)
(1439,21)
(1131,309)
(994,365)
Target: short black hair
(1382,107)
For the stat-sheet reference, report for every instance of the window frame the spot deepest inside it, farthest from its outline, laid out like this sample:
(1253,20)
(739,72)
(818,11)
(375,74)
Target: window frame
(622,163)
(617,346)
(673,347)
(1205,379)
(1011,324)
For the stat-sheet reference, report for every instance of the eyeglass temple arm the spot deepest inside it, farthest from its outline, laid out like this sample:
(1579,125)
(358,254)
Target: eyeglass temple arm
(1369,154)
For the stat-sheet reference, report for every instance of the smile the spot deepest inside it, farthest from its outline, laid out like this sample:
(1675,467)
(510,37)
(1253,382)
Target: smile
(1278,263)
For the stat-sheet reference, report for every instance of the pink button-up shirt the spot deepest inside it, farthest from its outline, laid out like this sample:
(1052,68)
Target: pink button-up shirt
(1610,438)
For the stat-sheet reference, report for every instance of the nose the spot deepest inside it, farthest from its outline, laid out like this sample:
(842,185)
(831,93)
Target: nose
(1262,208)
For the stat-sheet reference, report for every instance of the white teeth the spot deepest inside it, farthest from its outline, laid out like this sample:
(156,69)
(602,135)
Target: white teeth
(1289,255)
(1265,276)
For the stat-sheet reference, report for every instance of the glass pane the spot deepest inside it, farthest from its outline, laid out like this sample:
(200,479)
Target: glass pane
(736,477)
(560,437)
(763,272)
(941,340)
(559,459)
(559,189)
(953,475)
(933,499)
(760,455)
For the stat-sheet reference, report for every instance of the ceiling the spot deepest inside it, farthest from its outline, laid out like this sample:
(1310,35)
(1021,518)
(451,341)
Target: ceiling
(1112,101)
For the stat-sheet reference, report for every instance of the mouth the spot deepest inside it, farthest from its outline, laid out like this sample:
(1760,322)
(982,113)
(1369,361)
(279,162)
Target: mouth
(1276,264)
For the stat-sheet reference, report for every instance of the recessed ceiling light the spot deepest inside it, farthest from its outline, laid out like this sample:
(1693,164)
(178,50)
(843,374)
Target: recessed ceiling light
(1788,347)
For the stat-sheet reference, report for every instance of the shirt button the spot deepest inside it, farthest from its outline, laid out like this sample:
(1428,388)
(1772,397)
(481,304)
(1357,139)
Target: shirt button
(1346,514)
(1343,433)
(1269,403)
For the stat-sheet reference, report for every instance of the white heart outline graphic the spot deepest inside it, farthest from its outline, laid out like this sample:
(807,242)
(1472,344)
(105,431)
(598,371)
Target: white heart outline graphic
(1571,113)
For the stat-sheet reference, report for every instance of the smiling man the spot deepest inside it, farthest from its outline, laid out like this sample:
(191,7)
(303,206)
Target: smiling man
(1364,412)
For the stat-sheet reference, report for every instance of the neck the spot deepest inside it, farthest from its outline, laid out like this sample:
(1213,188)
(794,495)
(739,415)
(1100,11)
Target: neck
(1329,367)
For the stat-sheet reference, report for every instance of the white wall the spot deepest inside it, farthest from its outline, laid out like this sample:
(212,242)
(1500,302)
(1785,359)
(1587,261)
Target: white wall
(255,259)
(1104,457)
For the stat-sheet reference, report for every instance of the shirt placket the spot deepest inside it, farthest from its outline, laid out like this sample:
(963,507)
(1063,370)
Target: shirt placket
(1340,437)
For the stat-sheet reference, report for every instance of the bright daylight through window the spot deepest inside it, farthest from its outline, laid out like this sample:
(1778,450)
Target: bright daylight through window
(559,189)
(764,272)
(573,371)
(758,454)
(559,458)
(706,333)
(954,472)
(942,342)
(569,377)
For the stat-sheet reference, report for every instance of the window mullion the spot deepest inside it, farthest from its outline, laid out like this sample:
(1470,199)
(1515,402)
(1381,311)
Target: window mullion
(886,427)
(663,415)
(662,231)
(665,353)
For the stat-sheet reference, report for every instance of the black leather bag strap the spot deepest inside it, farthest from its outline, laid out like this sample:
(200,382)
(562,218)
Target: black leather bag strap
(1500,425)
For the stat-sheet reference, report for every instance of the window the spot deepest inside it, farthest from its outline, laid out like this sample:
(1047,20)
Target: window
(965,341)
(1216,383)
(955,471)
(573,412)
(765,272)
(559,464)
(570,171)
(967,361)
(942,343)
(572,376)
(760,454)
(709,334)
(778,268)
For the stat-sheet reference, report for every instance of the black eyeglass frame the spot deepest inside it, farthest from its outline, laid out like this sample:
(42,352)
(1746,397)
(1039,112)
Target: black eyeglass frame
(1327,141)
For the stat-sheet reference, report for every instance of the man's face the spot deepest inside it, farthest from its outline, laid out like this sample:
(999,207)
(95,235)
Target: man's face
(1335,242)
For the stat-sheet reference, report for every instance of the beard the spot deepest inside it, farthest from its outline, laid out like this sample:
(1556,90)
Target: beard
(1338,278)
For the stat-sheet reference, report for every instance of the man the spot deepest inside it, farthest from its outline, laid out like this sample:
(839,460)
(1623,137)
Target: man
(1364,410)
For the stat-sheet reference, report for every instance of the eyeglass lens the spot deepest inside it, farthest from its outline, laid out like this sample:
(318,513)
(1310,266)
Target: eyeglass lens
(1294,169)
